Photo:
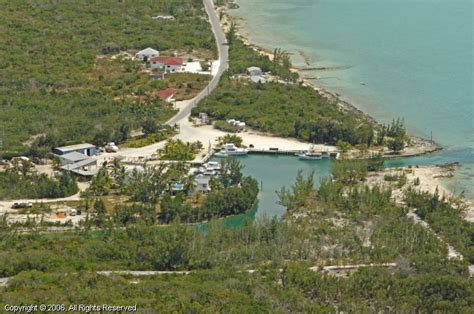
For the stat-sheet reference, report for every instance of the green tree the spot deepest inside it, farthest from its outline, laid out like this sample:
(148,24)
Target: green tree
(375,162)
(343,145)
(101,183)
(231,172)
(396,144)
(150,126)
(349,171)
(230,139)
(299,193)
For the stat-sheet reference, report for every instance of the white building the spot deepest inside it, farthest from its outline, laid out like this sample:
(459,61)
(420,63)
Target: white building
(146,54)
(254,71)
(164,17)
(202,183)
(168,64)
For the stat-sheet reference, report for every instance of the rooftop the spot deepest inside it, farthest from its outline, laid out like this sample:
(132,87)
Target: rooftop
(75,147)
(167,60)
(253,69)
(80,164)
(166,93)
(148,51)
(201,179)
(74,156)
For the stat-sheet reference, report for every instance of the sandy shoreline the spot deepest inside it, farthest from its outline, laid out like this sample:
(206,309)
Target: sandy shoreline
(421,146)
(430,180)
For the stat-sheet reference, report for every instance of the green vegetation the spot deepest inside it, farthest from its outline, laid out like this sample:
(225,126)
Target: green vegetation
(401,179)
(179,150)
(153,133)
(231,194)
(396,144)
(350,172)
(445,219)
(375,162)
(58,79)
(243,57)
(226,126)
(230,139)
(343,145)
(288,110)
(165,193)
(336,224)
(396,133)
(187,85)
(22,181)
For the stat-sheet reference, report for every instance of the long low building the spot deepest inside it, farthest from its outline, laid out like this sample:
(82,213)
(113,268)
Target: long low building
(85,148)
(85,168)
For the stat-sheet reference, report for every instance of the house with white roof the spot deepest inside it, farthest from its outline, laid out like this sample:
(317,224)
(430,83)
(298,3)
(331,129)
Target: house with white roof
(146,54)
(254,71)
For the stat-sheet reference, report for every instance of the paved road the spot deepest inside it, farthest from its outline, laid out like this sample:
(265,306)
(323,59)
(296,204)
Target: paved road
(186,106)
(223,51)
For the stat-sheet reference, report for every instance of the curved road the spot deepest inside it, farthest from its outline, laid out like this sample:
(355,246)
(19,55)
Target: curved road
(223,51)
(223,61)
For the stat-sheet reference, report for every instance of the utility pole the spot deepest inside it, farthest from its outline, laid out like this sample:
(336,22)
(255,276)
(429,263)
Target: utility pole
(2,136)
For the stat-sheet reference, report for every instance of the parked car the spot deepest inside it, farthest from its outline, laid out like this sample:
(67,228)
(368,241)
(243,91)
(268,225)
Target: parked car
(111,148)
(21,205)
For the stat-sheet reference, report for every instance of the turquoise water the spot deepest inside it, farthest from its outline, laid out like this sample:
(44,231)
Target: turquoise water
(415,57)
(276,171)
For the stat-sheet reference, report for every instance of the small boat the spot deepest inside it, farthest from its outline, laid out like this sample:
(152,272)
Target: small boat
(308,155)
(229,150)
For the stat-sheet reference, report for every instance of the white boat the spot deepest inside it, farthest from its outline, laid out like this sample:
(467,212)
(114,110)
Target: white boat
(308,155)
(212,165)
(231,150)
(210,173)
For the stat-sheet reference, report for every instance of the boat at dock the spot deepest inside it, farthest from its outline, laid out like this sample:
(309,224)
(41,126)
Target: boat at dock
(211,168)
(308,155)
(229,150)
(212,165)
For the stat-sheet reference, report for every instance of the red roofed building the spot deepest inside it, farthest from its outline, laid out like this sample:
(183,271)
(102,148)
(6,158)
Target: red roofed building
(166,94)
(169,64)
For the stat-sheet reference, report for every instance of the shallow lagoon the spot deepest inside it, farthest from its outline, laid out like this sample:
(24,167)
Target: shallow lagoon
(275,171)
